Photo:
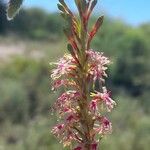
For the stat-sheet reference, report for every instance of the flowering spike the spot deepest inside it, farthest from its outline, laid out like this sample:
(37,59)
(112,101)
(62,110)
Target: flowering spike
(82,124)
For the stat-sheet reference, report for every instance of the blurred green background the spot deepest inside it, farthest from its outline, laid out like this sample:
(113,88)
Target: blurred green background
(34,39)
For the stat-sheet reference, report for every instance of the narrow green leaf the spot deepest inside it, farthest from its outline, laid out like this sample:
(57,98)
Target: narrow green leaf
(79,6)
(62,2)
(95,29)
(61,8)
(96,26)
(13,8)
(84,4)
(91,7)
(70,49)
(93,4)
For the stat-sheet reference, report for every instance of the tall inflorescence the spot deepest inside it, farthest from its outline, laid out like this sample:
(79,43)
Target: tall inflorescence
(81,107)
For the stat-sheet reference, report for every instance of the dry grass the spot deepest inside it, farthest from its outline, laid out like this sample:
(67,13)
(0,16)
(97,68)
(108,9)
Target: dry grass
(50,50)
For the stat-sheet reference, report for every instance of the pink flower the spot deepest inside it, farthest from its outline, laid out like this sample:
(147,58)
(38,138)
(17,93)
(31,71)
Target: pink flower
(93,106)
(98,98)
(63,82)
(58,130)
(104,126)
(64,133)
(67,99)
(107,100)
(97,65)
(69,96)
(78,148)
(70,118)
(68,138)
(94,146)
(58,83)
(65,66)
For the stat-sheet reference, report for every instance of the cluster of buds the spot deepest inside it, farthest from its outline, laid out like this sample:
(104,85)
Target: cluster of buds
(81,107)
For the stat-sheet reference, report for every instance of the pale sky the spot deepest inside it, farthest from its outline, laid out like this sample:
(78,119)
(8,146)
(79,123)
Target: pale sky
(133,12)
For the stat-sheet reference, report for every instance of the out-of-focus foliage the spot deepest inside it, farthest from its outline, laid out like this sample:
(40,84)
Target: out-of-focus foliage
(37,24)
(32,23)
(3,20)
(24,90)
(26,98)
